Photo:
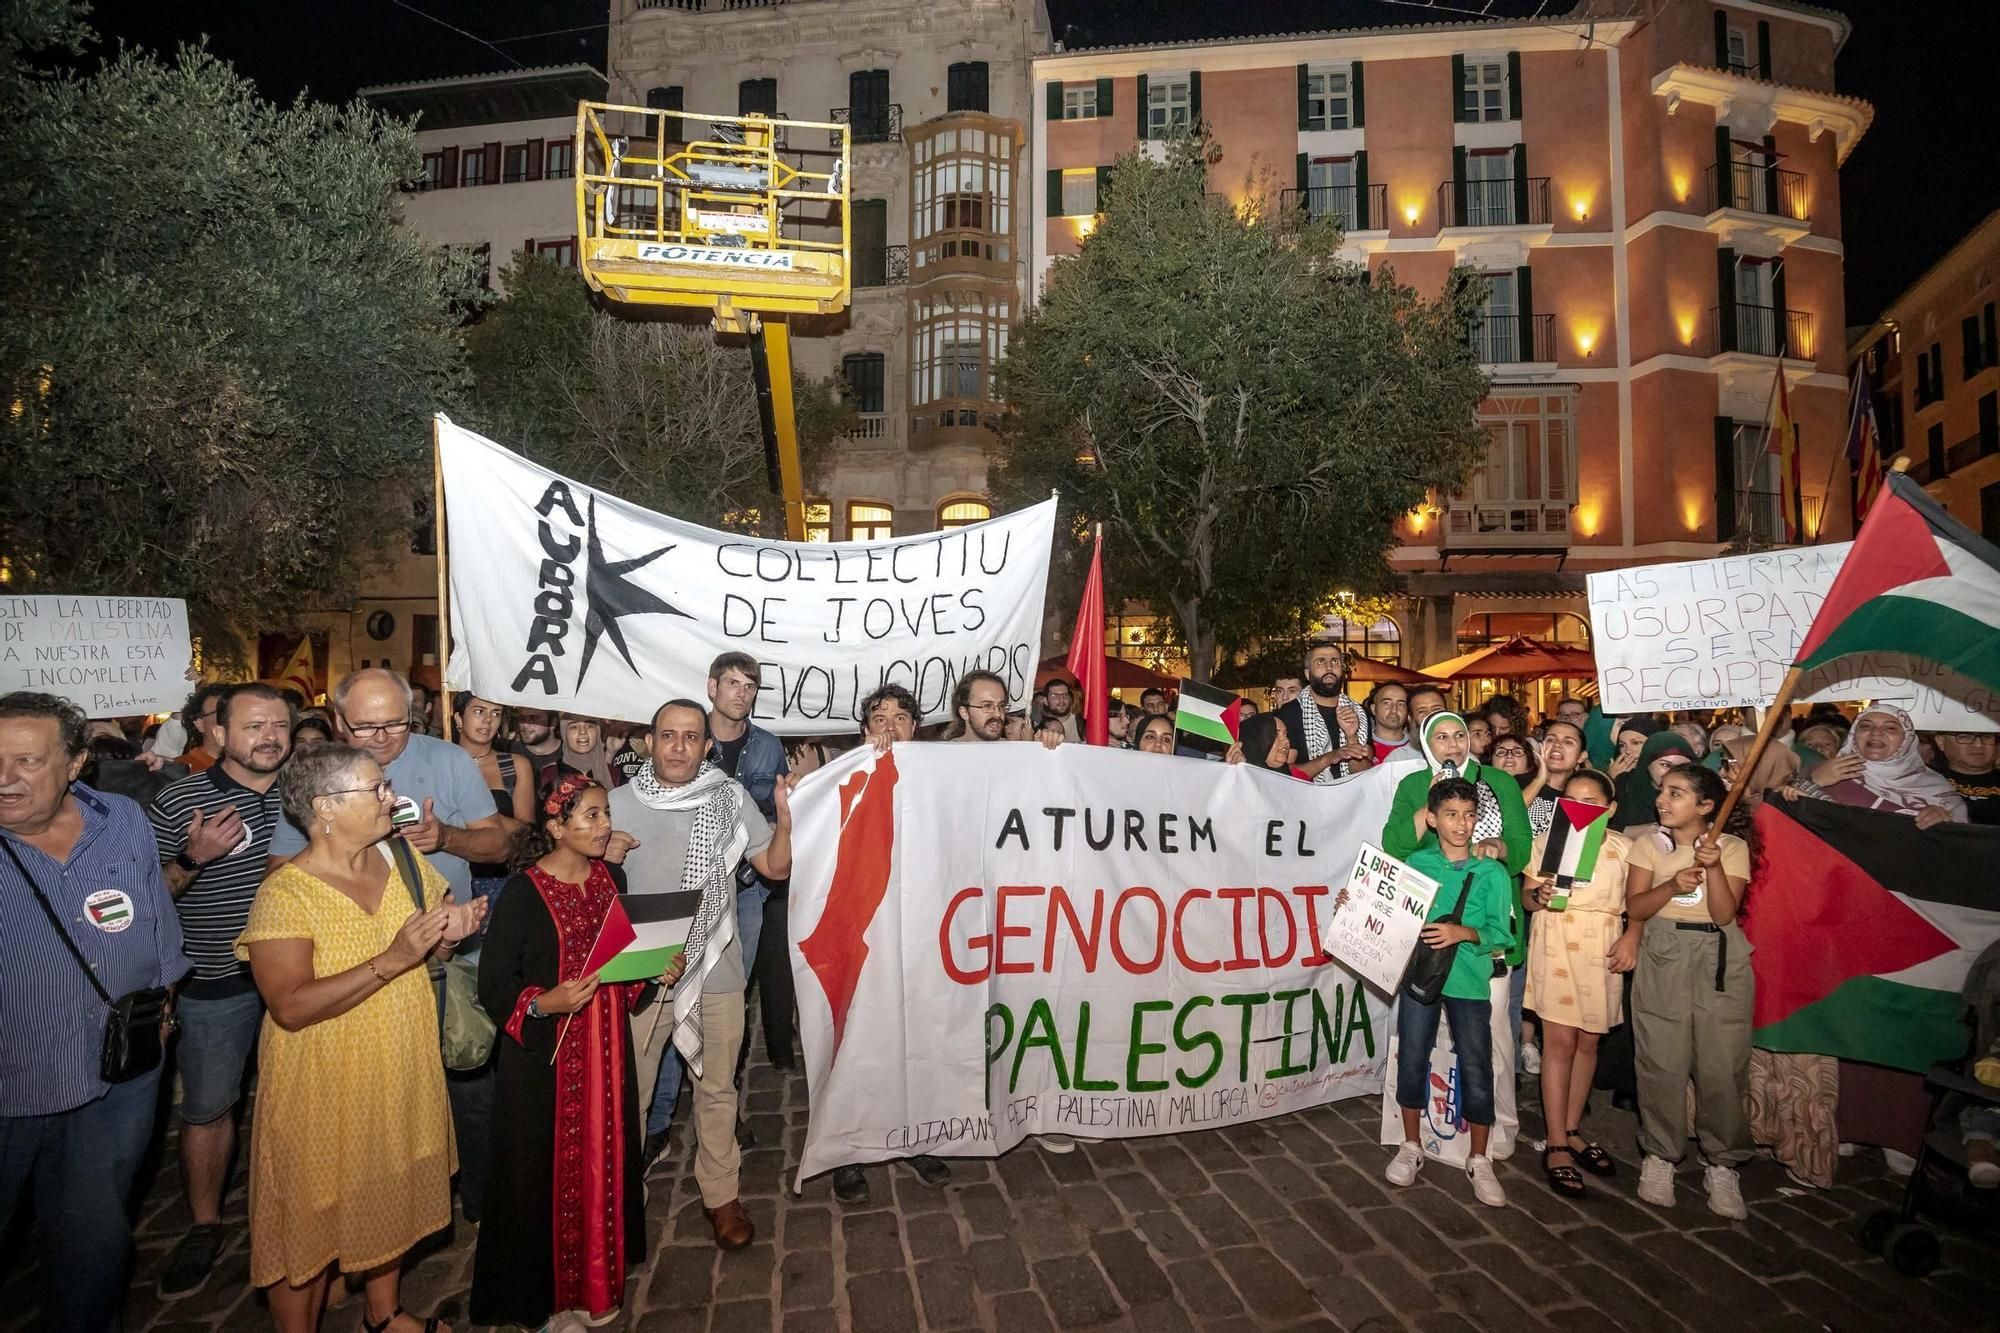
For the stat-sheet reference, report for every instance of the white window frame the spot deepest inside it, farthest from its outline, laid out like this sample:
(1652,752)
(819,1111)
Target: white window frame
(1079,191)
(1169,105)
(1327,109)
(1486,204)
(1334,175)
(1752,190)
(1079,101)
(1485,92)
(1500,331)
(1741,50)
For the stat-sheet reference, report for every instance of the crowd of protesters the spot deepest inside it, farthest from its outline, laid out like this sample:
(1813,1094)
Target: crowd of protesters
(306,883)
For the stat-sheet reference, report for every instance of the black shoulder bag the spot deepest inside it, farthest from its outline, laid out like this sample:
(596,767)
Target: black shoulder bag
(1423,979)
(132,1029)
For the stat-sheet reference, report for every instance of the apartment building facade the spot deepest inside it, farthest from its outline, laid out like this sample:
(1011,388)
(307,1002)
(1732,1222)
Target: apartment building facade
(1655,204)
(1933,367)
(936,98)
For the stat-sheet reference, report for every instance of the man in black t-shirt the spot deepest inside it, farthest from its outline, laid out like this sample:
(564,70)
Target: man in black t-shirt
(1333,742)
(1971,763)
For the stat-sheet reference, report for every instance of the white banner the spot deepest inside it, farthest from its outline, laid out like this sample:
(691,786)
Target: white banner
(110,656)
(565,597)
(1722,633)
(995,940)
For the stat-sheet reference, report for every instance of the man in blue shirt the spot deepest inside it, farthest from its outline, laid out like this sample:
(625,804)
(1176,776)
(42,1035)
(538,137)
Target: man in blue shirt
(65,1132)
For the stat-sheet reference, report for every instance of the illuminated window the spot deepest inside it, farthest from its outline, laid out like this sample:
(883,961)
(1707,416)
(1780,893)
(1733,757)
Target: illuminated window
(1079,191)
(958,513)
(960,338)
(869,522)
(819,521)
(561,160)
(743,520)
(1327,105)
(961,197)
(1381,641)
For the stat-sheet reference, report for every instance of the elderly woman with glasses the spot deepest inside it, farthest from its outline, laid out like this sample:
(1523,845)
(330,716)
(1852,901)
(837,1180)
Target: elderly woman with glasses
(352,1154)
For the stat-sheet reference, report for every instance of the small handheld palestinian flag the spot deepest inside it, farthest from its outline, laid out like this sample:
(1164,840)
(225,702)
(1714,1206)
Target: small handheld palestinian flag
(656,928)
(1576,835)
(1209,719)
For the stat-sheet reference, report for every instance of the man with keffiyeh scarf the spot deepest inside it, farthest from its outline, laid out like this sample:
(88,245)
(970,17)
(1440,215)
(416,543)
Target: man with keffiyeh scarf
(694,824)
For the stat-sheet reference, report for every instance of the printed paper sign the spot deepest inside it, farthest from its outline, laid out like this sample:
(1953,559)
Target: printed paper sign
(1378,916)
(565,597)
(1722,633)
(993,941)
(110,656)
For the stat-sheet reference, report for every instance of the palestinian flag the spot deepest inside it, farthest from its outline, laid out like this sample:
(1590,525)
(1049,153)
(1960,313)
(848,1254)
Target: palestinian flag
(642,933)
(1864,927)
(1917,581)
(1575,836)
(1209,718)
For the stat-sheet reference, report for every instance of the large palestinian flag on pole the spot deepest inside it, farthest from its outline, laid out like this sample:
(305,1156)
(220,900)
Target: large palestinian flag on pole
(1864,927)
(1917,581)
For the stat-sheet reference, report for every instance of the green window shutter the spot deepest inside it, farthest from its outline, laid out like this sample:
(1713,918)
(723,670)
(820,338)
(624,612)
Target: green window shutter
(1458,89)
(1141,99)
(1725,299)
(1304,176)
(1356,98)
(1104,97)
(1305,119)
(1513,85)
(1055,193)
(1725,479)
(1361,219)
(1458,186)
(1725,170)
(1103,186)
(1524,296)
(1721,40)
(1055,100)
(1780,327)
(1764,48)
(1772,200)
(1194,97)
(1521,215)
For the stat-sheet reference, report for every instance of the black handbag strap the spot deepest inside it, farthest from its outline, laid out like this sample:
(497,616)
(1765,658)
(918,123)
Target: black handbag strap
(406,867)
(1459,907)
(57,926)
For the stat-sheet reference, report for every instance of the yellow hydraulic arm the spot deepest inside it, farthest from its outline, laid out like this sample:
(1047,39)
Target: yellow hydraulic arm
(771,358)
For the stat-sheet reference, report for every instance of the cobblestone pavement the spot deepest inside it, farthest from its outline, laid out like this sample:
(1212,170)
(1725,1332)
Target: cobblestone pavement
(1280,1224)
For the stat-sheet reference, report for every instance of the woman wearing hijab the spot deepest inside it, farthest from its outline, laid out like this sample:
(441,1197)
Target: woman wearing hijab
(1719,738)
(1639,789)
(1263,743)
(1878,768)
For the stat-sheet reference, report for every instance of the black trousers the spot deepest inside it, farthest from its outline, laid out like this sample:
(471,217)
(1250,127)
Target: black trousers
(771,977)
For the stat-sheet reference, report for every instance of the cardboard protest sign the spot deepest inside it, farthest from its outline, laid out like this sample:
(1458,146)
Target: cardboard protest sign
(1000,940)
(110,656)
(1377,917)
(565,597)
(1722,633)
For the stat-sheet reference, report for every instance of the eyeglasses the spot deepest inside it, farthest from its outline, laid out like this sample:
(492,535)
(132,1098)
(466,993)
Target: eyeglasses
(363,731)
(381,789)
(1000,707)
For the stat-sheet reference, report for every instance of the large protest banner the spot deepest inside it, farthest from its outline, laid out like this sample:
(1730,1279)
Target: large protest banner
(110,656)
(1722,633)
(994,941)
(565,597)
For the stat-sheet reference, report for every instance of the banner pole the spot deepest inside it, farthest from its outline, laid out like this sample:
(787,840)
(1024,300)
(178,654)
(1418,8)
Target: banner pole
(443,580)
(1780,707)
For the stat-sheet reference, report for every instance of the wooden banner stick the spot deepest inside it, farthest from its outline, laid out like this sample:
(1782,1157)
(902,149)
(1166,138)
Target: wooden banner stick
(443,582)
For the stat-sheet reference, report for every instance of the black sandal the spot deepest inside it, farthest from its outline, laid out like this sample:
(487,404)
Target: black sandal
(1595,1160)
(431,1325)
(1564,1180)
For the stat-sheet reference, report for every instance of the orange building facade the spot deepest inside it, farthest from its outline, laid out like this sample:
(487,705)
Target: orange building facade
(1656,205)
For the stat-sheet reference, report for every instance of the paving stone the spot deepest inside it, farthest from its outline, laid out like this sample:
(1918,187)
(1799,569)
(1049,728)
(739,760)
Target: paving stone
(1300,1250)
(997,1265)
(874,1242)
(1135,1192)
(1618,1300)
(807,1228)
(1481,1300)
(945,1287)
(1349,1304)
(1203,1288)
(933,1236)
(747,1272)
(1024,1175)
(1091,1207)
(1334,1224)
(799,1321)
(1171,1169)
(741,1317)
(1417,1243)
(1513,1270)
(805,1281)
(1169,1235)
(1267,1286)
(881,1300)
(1247,1194)
(1164,1316)
(1020,1312)
(1400,1288)
(683,1280)
(1131,1267)
(1077,1294)
(1212,1219)
(984,1209)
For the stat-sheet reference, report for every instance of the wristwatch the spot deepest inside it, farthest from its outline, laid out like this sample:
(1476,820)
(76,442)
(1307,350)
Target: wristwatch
(187,863)
(535,1008)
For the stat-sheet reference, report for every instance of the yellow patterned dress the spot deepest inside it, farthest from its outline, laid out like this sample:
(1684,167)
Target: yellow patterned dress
(351,1150)
(1570,980)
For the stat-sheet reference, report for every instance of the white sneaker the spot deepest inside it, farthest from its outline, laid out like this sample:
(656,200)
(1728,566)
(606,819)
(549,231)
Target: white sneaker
(1725,1193)
(1056,1143)
(1900,1163)
(1485,1185)
(1656,1181)
(1531,1058)
(1403,1167)
(1984,1175)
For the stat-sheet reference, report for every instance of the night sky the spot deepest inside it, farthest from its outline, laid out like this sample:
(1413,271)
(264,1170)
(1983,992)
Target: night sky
(1925,64)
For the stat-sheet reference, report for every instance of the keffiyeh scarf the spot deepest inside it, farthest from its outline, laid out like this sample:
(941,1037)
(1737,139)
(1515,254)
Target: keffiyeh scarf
(1318,740)
(715,845)
(1486,824)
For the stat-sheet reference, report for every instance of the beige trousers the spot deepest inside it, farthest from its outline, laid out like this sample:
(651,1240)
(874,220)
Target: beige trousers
(716,1156)
(1684,1028)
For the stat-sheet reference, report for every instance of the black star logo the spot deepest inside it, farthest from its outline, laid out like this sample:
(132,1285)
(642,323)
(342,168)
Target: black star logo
(609,595)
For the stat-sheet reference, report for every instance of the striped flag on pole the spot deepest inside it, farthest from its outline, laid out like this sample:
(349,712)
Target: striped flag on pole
(1785,444)
(1209,718)
(1864,448)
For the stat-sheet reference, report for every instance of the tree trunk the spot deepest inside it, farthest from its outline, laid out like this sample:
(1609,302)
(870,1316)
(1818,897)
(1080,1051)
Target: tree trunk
(1200,641)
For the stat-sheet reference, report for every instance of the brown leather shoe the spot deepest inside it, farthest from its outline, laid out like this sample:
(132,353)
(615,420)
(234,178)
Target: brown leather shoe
(732,1225)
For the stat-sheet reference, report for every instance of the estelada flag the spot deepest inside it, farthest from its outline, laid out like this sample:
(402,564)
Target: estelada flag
(1916,581)
(1576,834)
(298,673)
(1864,927)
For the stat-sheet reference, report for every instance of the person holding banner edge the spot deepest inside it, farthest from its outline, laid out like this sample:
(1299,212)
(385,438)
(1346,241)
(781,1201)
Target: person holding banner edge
(1331,733)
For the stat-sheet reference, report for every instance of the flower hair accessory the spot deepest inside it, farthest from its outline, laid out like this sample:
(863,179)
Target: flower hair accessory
(566,791)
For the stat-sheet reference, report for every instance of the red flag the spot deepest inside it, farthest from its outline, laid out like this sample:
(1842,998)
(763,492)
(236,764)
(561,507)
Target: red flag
(1086,652)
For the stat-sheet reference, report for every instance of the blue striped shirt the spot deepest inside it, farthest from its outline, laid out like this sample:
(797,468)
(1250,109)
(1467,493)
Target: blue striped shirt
(114,904)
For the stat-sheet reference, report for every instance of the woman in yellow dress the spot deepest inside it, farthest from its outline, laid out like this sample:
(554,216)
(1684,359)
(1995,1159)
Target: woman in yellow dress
(352,1155)
(1576,987)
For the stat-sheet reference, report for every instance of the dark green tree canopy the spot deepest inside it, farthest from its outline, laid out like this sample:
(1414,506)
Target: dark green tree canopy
(1245,412)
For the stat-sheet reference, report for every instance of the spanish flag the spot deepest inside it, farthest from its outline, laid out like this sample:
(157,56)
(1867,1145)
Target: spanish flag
(1864,452)
(1785,444)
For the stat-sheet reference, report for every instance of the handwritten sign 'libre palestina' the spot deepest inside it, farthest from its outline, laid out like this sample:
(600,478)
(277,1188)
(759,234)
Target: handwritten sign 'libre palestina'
(110,656)
(994,941)
(1377,917)
(1722,633)
(566,597)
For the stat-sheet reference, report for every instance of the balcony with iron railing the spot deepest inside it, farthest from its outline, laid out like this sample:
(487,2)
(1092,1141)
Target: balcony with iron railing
(884,266)
(1349,206)
(707,6)
(1760,330)
(1518,525)
(1759,518)
(871,124)
(1505,202)
(1512,340)
(1742,69)
(1750,188)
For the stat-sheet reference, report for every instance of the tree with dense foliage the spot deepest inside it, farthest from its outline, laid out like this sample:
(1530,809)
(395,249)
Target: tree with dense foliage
(220,354)
(655,411)
(1246,413)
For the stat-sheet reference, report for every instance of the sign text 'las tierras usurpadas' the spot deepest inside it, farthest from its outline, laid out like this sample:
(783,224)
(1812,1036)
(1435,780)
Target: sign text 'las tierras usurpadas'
(110,656)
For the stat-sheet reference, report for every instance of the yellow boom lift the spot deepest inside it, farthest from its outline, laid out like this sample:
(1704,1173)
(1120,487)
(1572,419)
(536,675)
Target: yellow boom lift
(743,216)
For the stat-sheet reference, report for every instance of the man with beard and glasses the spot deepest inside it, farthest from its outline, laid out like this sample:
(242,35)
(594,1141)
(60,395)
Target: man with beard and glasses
(1323,722)
(980,706)
(214,830)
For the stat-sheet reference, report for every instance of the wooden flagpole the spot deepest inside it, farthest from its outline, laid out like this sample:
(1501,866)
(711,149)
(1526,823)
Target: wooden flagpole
(443,580)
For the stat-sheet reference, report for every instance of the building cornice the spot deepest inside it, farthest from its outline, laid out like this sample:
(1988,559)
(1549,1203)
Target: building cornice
(1732,95)
(1402,43)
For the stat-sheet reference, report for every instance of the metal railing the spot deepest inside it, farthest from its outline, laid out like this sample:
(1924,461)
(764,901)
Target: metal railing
(1345,205)
(1757,189)
(708,6)
(1742,70)
(1503,340)
(1506,202)
(886,266)
(1757,331)
(871,124)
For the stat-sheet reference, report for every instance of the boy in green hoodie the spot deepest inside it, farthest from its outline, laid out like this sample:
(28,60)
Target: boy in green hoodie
(1451,811)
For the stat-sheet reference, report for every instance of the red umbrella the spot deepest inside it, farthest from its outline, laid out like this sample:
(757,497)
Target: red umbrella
(1371,671)
(1518,658)
(1119,673)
